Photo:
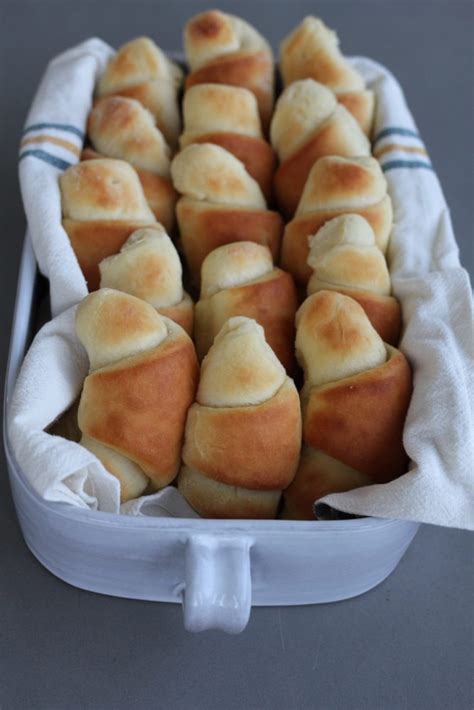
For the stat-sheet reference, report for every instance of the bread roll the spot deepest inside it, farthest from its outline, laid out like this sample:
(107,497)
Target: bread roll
(220,204)
(243,433)
(224,49)
(142,381)
(120,127)
(344,257)
(355,397)
(336,186)
(308,123)
(102,204)
(141,71)
(240,280)
(312,51)
(149,268)
(228,116)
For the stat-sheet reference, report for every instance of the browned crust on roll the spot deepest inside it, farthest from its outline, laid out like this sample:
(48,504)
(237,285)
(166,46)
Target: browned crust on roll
(182,313)
(255,447)
(161,196)
(359,420)
(252,71)
(138,407)
(204,227)
(271,301)
(93,241)
(318,476)
(217,500)
(290,178)
(256,154)
(159,191)
(295,247)
(361,105)
(384,312)
(89,153)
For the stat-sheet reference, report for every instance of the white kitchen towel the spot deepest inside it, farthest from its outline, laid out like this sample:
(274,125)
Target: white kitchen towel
(438,339)
(52,141)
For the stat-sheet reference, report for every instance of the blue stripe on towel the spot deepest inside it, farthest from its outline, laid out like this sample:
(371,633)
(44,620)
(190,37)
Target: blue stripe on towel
(47,158)
(391,164)
(396,132)
(59,126)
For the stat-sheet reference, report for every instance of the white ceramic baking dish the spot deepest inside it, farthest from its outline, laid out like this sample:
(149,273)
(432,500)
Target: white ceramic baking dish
(216,568)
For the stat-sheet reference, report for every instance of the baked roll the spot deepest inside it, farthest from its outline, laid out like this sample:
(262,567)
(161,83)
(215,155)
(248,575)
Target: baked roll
(343,257)
(243,433)
(149,268)
(336,186)
(141,71)
(102,204)
(220,204)
(120,127)
(355,398)
(308,123)
(224,49)
(142,380)
(240,280)
(312,51)
(228,116)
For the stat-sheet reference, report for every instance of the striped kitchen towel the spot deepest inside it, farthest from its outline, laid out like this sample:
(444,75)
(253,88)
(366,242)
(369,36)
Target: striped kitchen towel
(52,141)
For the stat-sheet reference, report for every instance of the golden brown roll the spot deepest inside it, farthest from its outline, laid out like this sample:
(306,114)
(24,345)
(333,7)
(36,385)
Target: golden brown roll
(141,71)
(102,204)
(142,380)
(243,433)
(120,127)
(336,186)
(312,51)
(224,49)
(228,116)
(240,280)
(355,397)
(308,123)
(344,257)
(149,268)
(220,204)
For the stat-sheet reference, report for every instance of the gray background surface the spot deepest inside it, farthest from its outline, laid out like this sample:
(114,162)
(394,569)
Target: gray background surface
(408,643)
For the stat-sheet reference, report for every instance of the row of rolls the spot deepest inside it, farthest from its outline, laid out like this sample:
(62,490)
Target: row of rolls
(275,375)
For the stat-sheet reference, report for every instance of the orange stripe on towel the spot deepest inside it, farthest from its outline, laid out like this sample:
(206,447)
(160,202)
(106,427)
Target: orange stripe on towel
(44,138)
(396,146)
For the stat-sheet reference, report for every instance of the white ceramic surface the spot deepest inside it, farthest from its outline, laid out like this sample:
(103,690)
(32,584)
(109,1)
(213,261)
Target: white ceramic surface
(216,568)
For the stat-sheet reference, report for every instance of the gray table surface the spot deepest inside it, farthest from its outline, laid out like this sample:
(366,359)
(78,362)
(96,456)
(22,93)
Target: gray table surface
(408,643)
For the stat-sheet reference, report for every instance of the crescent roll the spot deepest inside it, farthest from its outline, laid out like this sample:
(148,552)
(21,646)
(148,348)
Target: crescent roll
(220,204)
(141,71)
(240,280)
(309,123)
(311,51)
(336,186)
(228,116)
(142,380)
(343,257)
(224,49)
(120,127)
(355,398)
(243,433)
(102,204)
(148,267)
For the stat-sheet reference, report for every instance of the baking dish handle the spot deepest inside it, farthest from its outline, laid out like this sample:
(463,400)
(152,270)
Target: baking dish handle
(218,589)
